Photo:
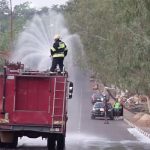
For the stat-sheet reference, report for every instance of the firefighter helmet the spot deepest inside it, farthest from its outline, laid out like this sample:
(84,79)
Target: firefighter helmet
(56,37)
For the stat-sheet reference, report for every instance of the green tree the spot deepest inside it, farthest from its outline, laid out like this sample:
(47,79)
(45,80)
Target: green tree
(116,39)
(4,9)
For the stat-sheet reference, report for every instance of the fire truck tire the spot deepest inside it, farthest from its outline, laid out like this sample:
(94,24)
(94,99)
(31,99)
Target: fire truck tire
(14,143)
(61,142)
(51,142)
(1,144)
(11,145)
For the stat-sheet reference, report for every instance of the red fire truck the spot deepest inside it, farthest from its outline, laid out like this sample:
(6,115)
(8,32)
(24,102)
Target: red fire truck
(33,104)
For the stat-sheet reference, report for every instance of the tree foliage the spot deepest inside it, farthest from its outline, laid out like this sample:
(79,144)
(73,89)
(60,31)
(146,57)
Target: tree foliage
(21,13)
(4,9)
(116,39)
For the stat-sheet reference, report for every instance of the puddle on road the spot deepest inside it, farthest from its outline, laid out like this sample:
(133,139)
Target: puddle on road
(90,142)
(139,135)
(80,141)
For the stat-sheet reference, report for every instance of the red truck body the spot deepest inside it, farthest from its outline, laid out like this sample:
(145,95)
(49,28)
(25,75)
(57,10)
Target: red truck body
(32,104)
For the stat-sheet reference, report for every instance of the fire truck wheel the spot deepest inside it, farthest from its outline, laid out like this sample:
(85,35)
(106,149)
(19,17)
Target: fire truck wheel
(10,145)
(51,143)
(61,142)
(14,143)
(1,144)
(8,140)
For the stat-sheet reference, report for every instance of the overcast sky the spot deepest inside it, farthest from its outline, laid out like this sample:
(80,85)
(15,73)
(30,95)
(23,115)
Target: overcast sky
(40,3)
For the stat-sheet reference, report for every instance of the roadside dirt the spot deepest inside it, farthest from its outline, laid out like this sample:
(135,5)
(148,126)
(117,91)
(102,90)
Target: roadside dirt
(141,119)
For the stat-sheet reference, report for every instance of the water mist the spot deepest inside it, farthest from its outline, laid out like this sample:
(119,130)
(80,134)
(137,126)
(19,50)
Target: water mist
(33,45)
(33,49)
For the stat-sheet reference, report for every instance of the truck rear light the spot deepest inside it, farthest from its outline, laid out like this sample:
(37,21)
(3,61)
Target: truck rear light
(58,122)
(5,119)
(6,116)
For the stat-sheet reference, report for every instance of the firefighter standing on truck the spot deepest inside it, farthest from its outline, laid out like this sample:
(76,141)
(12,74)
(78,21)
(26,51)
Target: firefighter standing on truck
(58,52)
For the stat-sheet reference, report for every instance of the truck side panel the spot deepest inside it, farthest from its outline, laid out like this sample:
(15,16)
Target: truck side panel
(35,100)
(1,92)
(32,94)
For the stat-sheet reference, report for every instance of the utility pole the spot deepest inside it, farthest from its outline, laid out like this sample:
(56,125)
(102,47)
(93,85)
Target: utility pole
(11,25)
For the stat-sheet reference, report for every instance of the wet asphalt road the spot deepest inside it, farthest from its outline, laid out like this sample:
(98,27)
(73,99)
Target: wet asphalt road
(86,134)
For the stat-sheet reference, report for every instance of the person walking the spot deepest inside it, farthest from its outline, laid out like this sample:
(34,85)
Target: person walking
(58,52)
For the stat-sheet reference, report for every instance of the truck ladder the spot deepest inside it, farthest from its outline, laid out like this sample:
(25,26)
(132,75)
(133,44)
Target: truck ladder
(56,82)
